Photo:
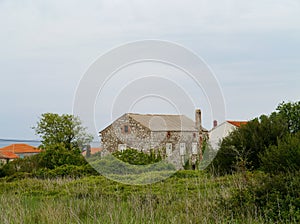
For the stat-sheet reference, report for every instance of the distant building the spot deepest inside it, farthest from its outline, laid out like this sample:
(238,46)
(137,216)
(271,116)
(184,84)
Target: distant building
(178,138)
(91,151)
(20,150)
(5,157)
(221,131)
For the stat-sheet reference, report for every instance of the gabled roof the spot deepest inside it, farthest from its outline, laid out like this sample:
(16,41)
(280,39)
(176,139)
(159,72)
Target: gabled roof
(237,123)
(164,122)
(20,148)
(8,155)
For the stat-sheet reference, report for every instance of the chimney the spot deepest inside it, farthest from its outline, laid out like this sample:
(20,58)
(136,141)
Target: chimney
(215,123)
(198,119)
(88,151)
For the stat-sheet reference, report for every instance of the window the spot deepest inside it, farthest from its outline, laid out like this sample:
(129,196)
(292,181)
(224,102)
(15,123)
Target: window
(168,134)
(194,148)
(168,149)
(126,129)
(182,149)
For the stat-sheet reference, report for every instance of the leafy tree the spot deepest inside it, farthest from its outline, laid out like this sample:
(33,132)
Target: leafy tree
(241,149)
(65,130)
(290,112)
(282,158)
(58,155)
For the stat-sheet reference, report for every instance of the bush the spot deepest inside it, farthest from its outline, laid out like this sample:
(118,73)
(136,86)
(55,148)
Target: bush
(282,158)
(58,156)
(135,157)
(276,197)
(71,171)
(46,160)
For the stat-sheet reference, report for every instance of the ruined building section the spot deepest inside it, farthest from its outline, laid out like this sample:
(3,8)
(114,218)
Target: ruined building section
(176,137)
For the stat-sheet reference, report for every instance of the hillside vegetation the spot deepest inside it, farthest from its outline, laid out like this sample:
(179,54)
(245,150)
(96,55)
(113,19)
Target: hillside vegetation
(255,178)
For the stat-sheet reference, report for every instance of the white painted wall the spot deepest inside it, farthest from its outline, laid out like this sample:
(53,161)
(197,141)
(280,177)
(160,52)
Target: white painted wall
(218,133)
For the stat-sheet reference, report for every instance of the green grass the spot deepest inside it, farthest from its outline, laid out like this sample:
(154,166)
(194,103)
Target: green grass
(186,197)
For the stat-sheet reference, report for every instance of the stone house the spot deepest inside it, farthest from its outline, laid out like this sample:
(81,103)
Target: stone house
(176,137)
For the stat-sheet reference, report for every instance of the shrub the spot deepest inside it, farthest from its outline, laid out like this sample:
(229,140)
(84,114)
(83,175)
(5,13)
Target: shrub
(65,171)
(276,197)
(282,158)
(58,156)
(135,157)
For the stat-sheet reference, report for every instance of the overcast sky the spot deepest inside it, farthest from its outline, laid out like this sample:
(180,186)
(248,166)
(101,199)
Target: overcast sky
(46,46)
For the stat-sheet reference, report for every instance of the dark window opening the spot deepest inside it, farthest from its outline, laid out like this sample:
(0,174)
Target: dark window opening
(126,129)
(168,134)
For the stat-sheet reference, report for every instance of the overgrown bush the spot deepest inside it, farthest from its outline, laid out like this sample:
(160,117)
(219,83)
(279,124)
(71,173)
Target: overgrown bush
(71,171)
(46,160)
(276,197)
(135,157)
(244,149)
(285,157)
(58,155)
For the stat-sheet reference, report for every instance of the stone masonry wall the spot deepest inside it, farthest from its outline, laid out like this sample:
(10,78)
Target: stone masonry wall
(141,138)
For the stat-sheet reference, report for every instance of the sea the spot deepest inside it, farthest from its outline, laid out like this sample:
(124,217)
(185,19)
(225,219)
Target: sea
(35,143)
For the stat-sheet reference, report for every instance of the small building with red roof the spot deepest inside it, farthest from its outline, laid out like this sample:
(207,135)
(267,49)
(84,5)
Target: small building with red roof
(218,132)
(7,156)
(21,150)
(91,152)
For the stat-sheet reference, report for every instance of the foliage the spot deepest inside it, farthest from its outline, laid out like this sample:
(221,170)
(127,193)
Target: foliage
(58,155)
(284,157)
(62,129)
(276,197)
(71,171)
(186,197)
(290,112)
(241,149)
(118,170)
(135,157)
(53,157)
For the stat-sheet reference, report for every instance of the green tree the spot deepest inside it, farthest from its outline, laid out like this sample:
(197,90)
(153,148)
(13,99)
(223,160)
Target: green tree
(290,112)
(64,130)
(245,147)
(284,157)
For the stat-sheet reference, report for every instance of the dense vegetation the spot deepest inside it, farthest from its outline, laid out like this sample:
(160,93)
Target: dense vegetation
(254,178)
(273,138)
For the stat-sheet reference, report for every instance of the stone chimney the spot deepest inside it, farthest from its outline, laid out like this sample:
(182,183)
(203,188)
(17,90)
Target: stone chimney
(215,123)
(88,151)
(198,120)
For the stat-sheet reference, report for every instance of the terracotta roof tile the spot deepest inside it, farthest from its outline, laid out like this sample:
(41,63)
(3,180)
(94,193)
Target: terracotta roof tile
(8,155)
(237,123)
(93,151)
(20,148)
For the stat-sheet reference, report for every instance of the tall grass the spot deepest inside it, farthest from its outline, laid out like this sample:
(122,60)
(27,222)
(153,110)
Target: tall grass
(187,197)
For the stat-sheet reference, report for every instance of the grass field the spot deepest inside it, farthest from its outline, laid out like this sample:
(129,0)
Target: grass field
(186,197)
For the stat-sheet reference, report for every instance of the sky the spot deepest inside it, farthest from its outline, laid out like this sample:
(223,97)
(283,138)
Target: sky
(46,47)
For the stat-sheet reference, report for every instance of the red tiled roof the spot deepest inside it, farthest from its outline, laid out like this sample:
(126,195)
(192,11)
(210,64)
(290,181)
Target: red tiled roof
(93,151)
(8,155)
(20,148)
(237,123)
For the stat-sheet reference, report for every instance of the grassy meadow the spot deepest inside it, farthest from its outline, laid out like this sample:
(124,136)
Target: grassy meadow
(186,197)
